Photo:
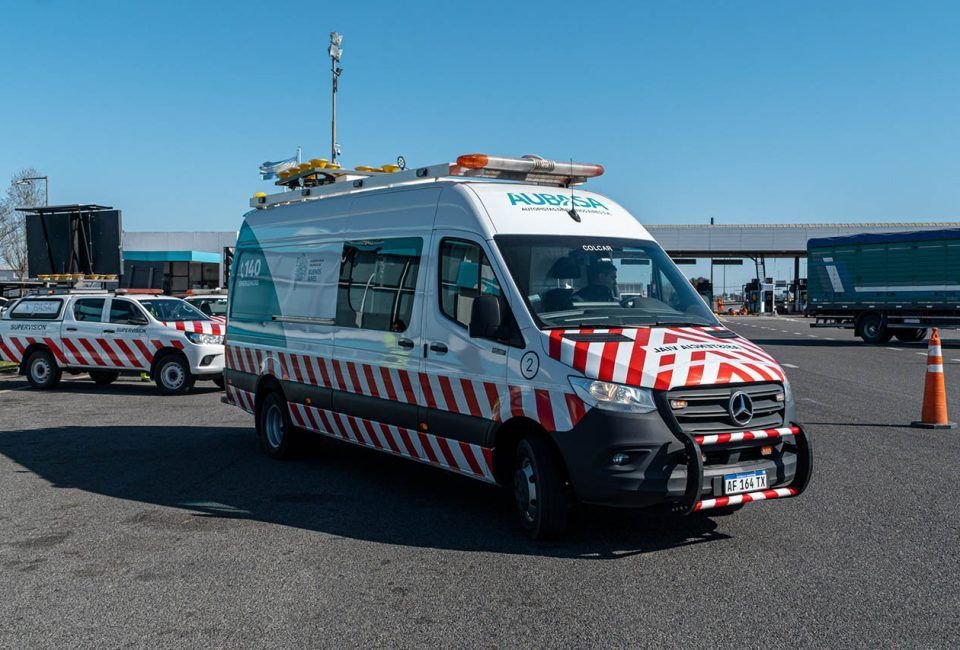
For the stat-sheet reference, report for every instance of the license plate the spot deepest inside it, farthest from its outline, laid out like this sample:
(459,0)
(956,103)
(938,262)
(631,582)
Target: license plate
(744,482)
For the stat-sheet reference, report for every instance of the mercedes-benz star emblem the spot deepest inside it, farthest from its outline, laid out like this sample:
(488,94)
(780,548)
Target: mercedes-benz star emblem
(740,408)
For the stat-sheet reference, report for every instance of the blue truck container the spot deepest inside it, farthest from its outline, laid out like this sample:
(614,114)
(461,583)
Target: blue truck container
(884,285)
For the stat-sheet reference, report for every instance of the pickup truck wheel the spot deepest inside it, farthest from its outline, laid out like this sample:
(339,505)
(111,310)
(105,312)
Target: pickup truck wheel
(42,370)
(173,376)
(873,331)
(911,336)
(538,489)
(103,377)
(278,436)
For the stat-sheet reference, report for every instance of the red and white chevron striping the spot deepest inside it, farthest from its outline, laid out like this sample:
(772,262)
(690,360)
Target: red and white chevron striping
(90,352)
(453,455)
(744,436)
(665,358)
(197,326)
(737,499)
(242,398)
(555,410)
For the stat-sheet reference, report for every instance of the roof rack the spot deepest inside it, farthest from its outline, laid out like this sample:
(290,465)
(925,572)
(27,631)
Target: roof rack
(321,182)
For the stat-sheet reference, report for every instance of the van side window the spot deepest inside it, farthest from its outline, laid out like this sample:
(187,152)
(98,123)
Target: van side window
(465,274)
(378,280)
(89,310)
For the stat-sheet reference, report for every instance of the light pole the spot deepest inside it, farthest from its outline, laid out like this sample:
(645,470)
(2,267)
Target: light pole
(335,52)
(46,186)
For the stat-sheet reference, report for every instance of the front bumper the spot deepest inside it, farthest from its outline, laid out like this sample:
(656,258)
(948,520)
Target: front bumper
(671,469)
(205,359)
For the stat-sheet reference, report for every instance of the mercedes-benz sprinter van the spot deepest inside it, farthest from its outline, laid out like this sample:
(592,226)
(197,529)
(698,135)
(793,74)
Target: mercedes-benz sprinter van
(492,318)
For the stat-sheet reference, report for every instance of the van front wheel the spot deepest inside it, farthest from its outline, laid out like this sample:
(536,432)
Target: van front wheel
(538,489)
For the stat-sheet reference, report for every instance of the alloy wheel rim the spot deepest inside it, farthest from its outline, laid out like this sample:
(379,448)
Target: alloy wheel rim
(525,490)
(273,422)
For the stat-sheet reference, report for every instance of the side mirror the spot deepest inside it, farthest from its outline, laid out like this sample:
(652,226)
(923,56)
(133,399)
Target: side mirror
(485,317)
(139,321)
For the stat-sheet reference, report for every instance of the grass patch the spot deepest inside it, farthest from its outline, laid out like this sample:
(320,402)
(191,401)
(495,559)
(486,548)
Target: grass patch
(6,366)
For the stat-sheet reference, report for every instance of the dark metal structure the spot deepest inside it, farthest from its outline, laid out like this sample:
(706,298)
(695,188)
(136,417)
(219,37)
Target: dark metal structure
(73,239)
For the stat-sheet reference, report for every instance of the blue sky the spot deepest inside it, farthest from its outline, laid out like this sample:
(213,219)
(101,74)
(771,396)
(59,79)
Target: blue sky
(743,111)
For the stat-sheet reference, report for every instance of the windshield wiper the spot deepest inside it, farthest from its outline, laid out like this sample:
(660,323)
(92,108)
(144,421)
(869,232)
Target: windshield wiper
(680,323)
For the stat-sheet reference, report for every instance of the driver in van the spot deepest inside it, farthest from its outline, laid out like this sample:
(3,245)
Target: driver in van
(601,283)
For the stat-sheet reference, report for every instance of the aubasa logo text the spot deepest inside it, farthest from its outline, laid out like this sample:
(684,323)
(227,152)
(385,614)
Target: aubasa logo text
(559,200)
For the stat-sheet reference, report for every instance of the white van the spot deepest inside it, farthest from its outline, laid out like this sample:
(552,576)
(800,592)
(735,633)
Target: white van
(489,318)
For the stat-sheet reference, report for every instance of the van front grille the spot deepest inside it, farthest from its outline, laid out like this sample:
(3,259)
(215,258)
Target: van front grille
(707,408)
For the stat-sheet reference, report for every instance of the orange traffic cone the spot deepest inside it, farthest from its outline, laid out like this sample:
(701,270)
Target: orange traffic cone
(934,414)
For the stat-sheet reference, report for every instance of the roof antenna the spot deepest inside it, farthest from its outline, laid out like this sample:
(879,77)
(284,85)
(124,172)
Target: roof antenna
(573,209)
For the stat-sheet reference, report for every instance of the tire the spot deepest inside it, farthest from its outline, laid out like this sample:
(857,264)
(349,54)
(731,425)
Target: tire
(278,436)
(218,380)
(872,329)
(911,336)
(42,370)
(103,377)
(538,489)
(172,376)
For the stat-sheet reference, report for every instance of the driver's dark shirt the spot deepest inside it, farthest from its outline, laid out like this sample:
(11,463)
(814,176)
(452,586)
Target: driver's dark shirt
(595,293)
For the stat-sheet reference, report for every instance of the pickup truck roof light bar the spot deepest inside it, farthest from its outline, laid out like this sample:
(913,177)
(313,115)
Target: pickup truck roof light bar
(318,183)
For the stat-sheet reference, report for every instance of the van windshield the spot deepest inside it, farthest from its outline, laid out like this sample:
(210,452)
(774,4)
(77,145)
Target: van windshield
(575,282)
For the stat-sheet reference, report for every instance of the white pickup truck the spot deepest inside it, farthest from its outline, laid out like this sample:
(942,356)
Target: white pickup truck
(109,334)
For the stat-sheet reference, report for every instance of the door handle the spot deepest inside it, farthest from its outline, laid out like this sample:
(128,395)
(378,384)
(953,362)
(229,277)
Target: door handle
(439,348)
(109,331)
(407,344)
(71,329)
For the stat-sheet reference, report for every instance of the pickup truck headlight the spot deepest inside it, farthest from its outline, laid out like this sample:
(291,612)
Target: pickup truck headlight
(205,339)
(614,397)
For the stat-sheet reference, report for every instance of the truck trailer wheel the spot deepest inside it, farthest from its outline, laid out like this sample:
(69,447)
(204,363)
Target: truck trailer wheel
(872,329)
(42,370)
(538,489)
(173,376)
(911,336)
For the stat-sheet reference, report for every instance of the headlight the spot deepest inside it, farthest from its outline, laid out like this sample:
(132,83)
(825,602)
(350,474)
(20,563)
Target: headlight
(787,391)
(205,339)
(614,397)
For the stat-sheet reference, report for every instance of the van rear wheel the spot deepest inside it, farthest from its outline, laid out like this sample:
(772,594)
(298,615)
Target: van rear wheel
(278,436)
(42,370)
(538,489)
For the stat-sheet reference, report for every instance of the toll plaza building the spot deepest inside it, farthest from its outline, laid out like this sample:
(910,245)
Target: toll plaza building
(180,261)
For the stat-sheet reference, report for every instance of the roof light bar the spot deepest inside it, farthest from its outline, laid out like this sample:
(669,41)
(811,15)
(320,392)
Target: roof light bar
(479,164)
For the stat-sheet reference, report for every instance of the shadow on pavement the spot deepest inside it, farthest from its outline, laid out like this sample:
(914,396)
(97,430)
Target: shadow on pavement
(218,474)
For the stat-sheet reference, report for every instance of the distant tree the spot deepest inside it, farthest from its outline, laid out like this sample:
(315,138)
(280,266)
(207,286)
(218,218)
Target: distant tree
(13,231)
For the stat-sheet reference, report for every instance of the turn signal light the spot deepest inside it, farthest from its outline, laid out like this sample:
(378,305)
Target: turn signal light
(677,404)
(766,450)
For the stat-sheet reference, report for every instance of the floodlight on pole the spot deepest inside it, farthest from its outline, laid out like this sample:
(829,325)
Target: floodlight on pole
(335,52)
(46,186)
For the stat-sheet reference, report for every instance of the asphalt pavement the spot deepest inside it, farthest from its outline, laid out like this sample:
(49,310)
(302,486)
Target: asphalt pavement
(130,519)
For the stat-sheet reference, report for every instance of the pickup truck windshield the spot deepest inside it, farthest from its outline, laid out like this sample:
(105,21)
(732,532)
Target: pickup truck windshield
(171,309)
(576,282)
